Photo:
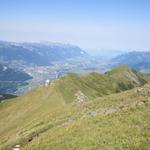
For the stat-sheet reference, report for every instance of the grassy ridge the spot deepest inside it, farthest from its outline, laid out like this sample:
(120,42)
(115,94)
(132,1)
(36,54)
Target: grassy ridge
(95,85)
(125,128)
(45,111)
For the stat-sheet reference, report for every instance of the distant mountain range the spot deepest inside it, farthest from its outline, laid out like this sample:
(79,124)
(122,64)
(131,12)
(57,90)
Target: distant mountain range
(40,54)
(41,61)
(138,60)
(38,60)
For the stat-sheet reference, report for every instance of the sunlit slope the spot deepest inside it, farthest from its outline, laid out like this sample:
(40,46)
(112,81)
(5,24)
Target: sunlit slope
(25,112)
(29,116)
(94,84)
(120,121)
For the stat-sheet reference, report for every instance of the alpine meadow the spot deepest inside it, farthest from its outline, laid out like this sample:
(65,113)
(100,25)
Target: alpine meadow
(75,75)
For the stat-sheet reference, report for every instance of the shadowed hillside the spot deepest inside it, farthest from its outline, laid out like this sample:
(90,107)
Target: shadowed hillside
(11,79)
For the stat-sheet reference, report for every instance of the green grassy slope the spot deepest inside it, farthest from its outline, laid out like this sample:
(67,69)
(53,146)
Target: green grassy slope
(37,119)
(95,85)
(125,129)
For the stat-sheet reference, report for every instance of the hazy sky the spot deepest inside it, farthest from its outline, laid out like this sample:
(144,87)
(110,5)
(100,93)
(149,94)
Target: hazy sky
(91,24)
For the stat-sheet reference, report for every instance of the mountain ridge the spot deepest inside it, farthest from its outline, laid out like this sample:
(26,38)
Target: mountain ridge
(50,106)
(38,53)
(141,60)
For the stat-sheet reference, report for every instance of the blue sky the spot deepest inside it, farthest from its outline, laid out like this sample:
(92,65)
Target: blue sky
(91,24)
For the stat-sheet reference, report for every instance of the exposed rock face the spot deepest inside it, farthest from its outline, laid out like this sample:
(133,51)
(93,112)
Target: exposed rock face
(80,97)
(133,77)
(144,90)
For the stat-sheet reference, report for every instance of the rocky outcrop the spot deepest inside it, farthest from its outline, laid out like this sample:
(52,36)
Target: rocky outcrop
(80,97)
(143,90)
